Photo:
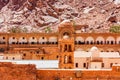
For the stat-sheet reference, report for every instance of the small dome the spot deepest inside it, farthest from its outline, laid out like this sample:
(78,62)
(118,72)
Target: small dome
(93,49)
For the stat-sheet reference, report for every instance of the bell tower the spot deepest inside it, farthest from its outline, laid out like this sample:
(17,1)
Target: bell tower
(66,45)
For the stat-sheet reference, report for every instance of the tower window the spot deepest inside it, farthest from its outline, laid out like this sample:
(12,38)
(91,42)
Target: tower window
(23,37)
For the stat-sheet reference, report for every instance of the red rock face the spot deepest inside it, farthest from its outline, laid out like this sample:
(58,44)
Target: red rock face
(3,3)
(41,13)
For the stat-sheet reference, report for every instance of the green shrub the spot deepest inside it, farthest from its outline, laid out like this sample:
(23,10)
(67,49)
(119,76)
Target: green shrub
(115,29)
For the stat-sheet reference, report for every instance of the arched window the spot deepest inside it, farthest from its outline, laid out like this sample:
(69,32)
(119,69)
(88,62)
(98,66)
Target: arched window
(89,40)
(22,40)
(12,40)
(79,40)
(110,40)
(52,40)
(70,59)
(100,40)
(43,40)
(118,40)
(32,40)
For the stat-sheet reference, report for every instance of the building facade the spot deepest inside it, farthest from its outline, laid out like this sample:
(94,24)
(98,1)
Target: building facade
(67,45)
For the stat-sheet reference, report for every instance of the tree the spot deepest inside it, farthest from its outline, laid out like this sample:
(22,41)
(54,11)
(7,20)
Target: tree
(48,30)
(115,29)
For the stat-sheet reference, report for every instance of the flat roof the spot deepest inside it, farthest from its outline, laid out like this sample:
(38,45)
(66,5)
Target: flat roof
(40,64)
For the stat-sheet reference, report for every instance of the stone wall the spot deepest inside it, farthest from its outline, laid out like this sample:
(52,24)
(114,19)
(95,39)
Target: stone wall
(61,74)
(9,71)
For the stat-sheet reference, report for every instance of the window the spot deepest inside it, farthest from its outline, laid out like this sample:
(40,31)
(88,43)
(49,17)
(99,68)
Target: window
(43,38)
(42,58)
(107,42)
(102,65)
(33,37)
(24,54)
(87,42)
(70,48)
(111,64)
(57,56)
(13,58)
(76,65)
(84,65)
(3,37)
(101,42)
(23,37)
(112,42)
(97,42)
(13,37)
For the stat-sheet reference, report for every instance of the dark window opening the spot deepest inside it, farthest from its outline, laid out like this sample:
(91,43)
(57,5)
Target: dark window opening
(66,33)
(13,37)
(52,42)
(76,65)
(19,42)
(23,42)
(24,54)
(91,42)
(112,42)
(32,42)
(65,48)
(107,42)
(111,64)
(3,37)
(43,38)
(57,56)
(101,42)
(2,50)
(23,37)
(13,42)
(87,42)
(97,42)
(70,49)
(84,65)
(75,42)
(42,58)
(37,52)
(70,59)
(33,37)
(102,65)
(56,43)
(43,42)
(119,42)
(13,58)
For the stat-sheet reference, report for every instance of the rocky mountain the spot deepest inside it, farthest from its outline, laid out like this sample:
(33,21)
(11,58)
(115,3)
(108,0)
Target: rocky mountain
(37,15)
